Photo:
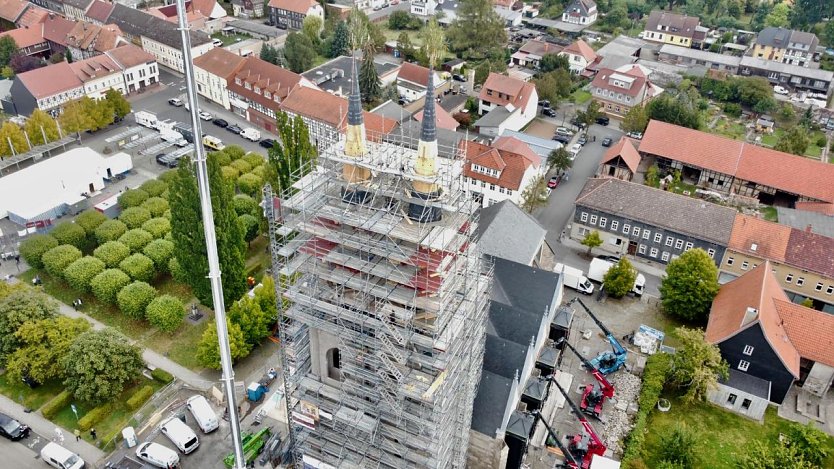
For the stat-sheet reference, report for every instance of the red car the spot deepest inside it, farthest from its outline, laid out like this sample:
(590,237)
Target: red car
(554,181)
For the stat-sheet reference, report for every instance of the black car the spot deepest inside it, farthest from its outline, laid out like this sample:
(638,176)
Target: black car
(458,77)
(613,259)
(549,112)
(267,143)
(235,129)
(544,103)
(575,122)
(220,123)
(562,138)
(606,142)
(12,429)
(160,158)
(603,120)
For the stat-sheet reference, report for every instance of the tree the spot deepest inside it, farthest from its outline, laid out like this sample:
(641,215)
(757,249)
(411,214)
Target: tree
(132,198)
(139,267)
(136,239)
(89,220)
(478,32)
(58,258)
(553,86)
(157,227)
(157,206)
(341,40)
(689,286)
(311,27)
(18,307)
(100,112)
(592,240)
(245,204)
(253,322)
(299,52)
(11,132)
(269,54)
(292,156)
(794,140)
(775,455)
(68,232)
(166,313)
(553,62)
(809,441)
(74,118)
(697,364)
(434,43)
(674,109)
(652,176)
(405,46)
(208,349)
(620,278)
(677,447)
(267,299)
(99,364)
(111,230)
(482,73)
(23,63)
(43,344)
(559,159)
(33,248)
(80,273)
(134,299)
(8,49)
(40,125)
(828,33)
(231,247)
(369,85)
(133,217)
(403,20)
(635,120)
(535,195)
(117,102)
(108,284)
(590,114)
(778,16)
(249,224)
(160,251)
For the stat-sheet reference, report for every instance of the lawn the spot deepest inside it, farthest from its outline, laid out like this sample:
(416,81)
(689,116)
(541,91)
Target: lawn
(683,188)
(30,398)
(731,129)
(580,96)
(813,151)
(722,436)
(231,38)
(771,139)
(770,214)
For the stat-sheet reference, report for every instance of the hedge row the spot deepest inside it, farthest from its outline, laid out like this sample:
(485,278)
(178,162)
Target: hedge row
(94,416)
(56,404)
(139,397)
(162,376)
(654,377)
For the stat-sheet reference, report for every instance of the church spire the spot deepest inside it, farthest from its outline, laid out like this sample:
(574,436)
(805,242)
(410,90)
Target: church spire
(428,129)
(355,99)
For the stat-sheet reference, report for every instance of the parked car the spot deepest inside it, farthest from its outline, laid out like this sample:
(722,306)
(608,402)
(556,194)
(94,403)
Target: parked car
(564,131)
(544,103)
(157,455)
(12,429)
(564,139)
(582,140)
(606,142)
(575,122)
(251,134)
(780,90)
(220,123)
(267,143)
(576,147)
(234,128)
(603,120)
(458,77)
(549,112)
(206,116)
(554,181)
(635,135)
(175,102)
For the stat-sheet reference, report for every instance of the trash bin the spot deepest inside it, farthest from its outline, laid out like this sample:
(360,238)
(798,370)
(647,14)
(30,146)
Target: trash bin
(129,435)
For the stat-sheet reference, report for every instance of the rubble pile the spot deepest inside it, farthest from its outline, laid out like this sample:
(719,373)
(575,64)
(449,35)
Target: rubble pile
(617,416)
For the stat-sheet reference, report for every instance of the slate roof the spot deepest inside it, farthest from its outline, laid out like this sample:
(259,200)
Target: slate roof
(392,110)
(139,23)
(504,357)
(787,69)
(488,412)
(679,25)
(523,286)
(580,7)
(747,383)
(408,134)
(807,177)
(80,4)
(819,223)
(679,213)
(782,38)
(514,324)
(508,232)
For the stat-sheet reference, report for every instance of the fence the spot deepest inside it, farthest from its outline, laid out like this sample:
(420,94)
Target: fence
(144,412)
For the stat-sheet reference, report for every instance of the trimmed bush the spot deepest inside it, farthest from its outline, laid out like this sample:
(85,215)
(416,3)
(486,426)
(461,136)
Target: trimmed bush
(68,232)
(111,230)
(139,397)
(168,176)
(136,239)
(154,187)
(235,152)
(111,253)
(245,204)
(162,376)
(56,404)
(160,252)
(58,258)
(168,237)
(157,206)
(134,298)
(249,184)
(259,171)
(33,248)
(222,158)
(80,273)
(821,142)
(176,271)
(89,220)
(157,227)
(166,313)
(167,214)
(139,267)
(133,217)
(94,416)
(229,173)
(241,165)
(254,159)
(132,198)
(108,284)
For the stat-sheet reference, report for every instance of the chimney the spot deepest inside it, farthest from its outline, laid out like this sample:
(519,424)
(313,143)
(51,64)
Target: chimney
(808,228)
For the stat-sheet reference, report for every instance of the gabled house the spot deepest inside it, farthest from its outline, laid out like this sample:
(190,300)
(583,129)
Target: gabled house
(86,40)
(99,74)
(500,172)
(785,45)
(620,161)
(580,12)
(247,9)
(76,9)
(423,7)
(30,41)
(509,104)
(617,91)
(32,16)
(444,119)
(769,343)
(530,54)
(507,231)
(213,71)
(670,28)
(413,80)
(11,11)
(98,12)
(139,67)
(46,88)
(580,55)
(291,13)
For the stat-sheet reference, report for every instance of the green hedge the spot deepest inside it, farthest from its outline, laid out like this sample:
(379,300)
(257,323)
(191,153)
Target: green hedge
(654,377)
(162,376)
(94,416)
(139,397)
(56,404)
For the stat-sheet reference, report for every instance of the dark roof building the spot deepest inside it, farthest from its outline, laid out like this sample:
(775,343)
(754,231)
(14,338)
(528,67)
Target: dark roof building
(509,232)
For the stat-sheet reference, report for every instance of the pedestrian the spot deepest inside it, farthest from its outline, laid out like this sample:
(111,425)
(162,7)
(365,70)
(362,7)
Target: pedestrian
(59,435)
(93,433)
(17,258)
(77,434)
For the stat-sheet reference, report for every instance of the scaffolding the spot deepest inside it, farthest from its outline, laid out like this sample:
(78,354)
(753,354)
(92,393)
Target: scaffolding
(402,302)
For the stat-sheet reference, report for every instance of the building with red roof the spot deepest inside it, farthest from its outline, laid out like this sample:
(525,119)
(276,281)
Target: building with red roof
(580,55)
(12,10)
(620,161)
(506,103)
(496,173)
(30,41)
(617,91)
(291,13)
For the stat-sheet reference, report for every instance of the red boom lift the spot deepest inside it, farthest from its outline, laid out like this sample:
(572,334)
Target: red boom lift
(570,461)
(594,395)
(582,446)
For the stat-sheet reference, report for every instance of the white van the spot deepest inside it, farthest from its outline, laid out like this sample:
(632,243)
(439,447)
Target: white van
(251,134)
(157,455)
(180,434)
(61,458)
(203,413)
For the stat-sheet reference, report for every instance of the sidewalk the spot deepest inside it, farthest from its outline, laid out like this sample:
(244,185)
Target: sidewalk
(45,428)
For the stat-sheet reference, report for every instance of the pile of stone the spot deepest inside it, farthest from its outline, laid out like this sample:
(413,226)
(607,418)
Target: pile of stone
(619,411)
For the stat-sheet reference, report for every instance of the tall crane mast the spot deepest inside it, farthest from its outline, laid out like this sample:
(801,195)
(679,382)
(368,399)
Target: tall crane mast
(582,446)
(570,461)
(594,395)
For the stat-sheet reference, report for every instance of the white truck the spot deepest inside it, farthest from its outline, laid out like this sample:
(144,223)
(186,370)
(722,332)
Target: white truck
(599,267)
(166,126)
(145,119)
(251,134)
(574,278)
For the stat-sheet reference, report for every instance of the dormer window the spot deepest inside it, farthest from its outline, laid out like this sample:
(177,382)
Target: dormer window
(267,94)
(247,86)
(238,81)
(257,90)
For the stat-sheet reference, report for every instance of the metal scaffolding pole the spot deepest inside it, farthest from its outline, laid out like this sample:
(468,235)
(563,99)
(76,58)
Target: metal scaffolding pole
(228,377)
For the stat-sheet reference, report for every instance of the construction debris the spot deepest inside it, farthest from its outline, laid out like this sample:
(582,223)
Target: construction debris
(618,421)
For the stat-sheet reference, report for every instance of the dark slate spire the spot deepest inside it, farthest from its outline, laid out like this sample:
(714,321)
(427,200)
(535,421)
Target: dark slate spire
(428,130)
(355,100)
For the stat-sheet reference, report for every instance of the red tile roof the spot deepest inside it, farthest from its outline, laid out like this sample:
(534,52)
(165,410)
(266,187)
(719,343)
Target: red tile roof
(625,150)
(582,49)
(444,119)
(298,6)
(32,16)
(322,106)
(49,81)
(514,145)
(506,90)
(540,48)
(811,251)
(219,62)
(770,239)
(809,331)
(415,73)
(25,37)
(511,165)
(56,28)
(750,301)
(94,68)
(746,161)
(818,207)
(130,55)
(605,76)
(88,36)
(100,11)
(10,10)
(263,77)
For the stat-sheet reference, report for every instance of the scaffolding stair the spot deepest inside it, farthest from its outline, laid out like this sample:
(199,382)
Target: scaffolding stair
(392,350)
(392,369)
